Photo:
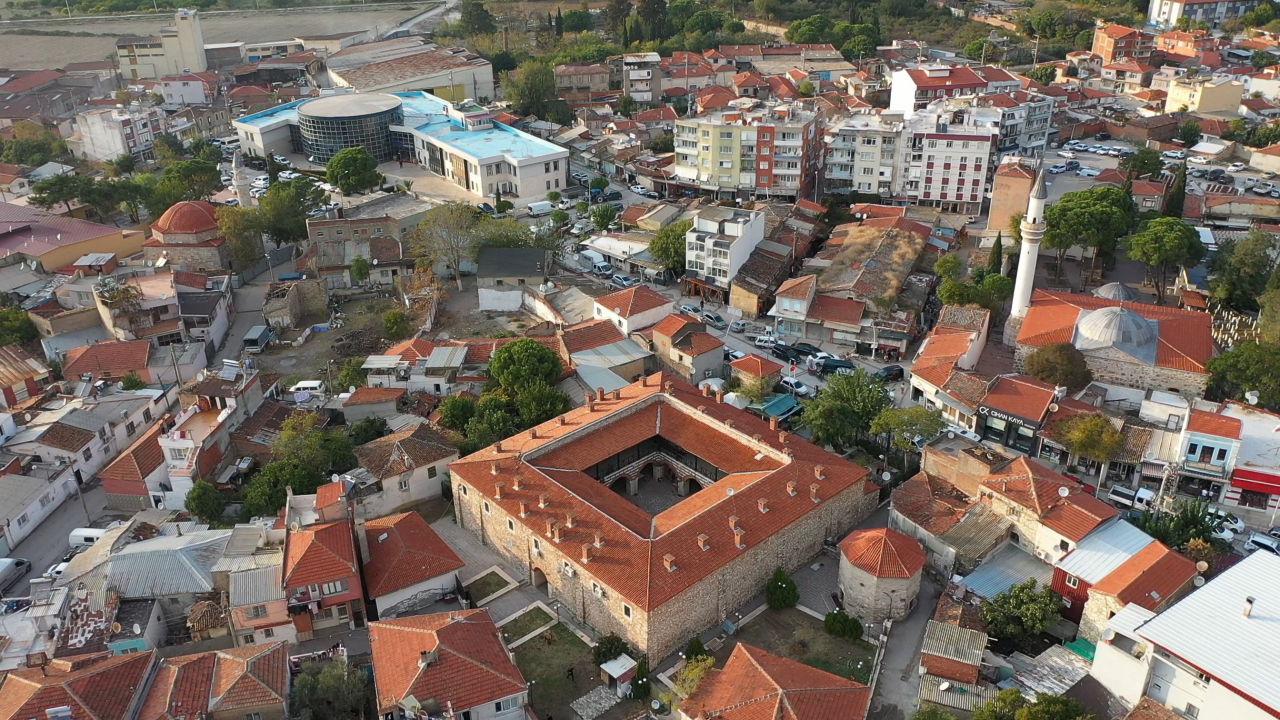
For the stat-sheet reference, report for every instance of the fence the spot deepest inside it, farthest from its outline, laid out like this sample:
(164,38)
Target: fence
(277,256)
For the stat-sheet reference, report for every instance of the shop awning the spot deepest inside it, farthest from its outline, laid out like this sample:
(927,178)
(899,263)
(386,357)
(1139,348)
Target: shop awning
(1256,481)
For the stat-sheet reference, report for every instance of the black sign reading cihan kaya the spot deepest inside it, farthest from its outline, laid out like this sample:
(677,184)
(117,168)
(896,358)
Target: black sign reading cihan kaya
(988,411)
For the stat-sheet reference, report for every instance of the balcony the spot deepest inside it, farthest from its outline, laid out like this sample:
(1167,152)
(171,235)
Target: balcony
(299,602)
(1205,469)
(640,74)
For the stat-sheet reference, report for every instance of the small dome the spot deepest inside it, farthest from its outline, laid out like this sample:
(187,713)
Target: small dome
(1117,291)
(189,216)
(1115,326)
(884,552)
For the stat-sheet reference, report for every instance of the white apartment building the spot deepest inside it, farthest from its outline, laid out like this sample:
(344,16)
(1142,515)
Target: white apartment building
(1024,121)
(915,88)
(717,245)
(642,77)
(1211,656)
(950,158)
(108,133)
(862,153)
(178,48)
(1165,14)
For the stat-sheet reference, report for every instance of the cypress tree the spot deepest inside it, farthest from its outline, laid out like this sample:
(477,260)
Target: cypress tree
(1173,207)
(996,258)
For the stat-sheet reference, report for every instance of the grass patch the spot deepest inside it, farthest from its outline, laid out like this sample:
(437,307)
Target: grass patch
(793,634)
(486,585)
(546,661)
(526,623)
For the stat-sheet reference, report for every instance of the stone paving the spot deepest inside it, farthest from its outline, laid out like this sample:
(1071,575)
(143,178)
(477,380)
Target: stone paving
(595,703)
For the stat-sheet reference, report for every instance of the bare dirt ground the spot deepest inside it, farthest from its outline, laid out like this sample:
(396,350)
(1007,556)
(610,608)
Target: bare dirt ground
(460,315)
(309,362)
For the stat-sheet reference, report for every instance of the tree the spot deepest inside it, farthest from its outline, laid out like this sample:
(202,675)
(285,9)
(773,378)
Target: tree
(932,712)
(995,260)
(858,46)
(368,430)
(167,146)
(641,688)
(554,196)
(907,424)
(123,164)
(353,169)
(662,144)
(102,196)
(1017,615)
(540,402)
(1240,270)
(845,409)
(264,494)
(695,649)
(781,592)
(205,502)
(57,189)
(359,269)
(1145,162)
(1173,207)
(603,216)
(583,207)
(198,179)
(523,364)
(1043,74)
(668,246)
(284,209)
(1263,59)
(1092,436)
(396,324)
(475,18)
(133,381)
(653,13)
(843,625)
(616,13)
(627,105)
(328,689)
(559,218)
(456,411)
(577,21)
(16,327)
(531,89)
(352,374)
(691,675)
(609,647)
(599,183)
(806,88)
(1246,367)
(160,194)
(1004,706)
(1189,133)
(1054,707)
(1060,364)
(1093,218)
(304,441)
(1164,244)
(447,234)
(242,229)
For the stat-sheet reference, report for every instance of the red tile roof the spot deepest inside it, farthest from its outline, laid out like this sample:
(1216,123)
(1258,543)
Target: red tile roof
(470,667)
(17,366)
(404,551)
(412,349)
(930,502)
(188,216)
(1020,395)
(756,365)
(845,311)
(319,554)
(125,474)
(1148,709)
(110,359)
(190,279)
(1207,423)
(219,681)
(1185,337)
(883,552)
(1150,578)
(1037,487)
(400,452)
(370,395)
(674,323)
(699,343)
(632,301)
(94,687)
(757,685)
(798,288)
(631,558)
(330,493)
(589,334)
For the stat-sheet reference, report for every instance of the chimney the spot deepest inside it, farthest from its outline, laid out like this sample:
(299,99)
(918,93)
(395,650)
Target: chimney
(542,500)
(617,394)
(702,409)
(1248,606)
(568,519)
(599,394)
(493,468)
(671,388)
(813,492)
(773,422)
(562,420)
(817,471)
(728,423)
(586,552)
(791,488)
(644,381)
(524,508)
(551,524)
(719,394)
(702,542)
(557,532)
(763,505)
(669,562)
(738,538)
(498,446)
(706,391)
(599,539)
(426,658)
(533,433)
(517,482)
(497,490)
(591,406)
(782,436)
(733,522)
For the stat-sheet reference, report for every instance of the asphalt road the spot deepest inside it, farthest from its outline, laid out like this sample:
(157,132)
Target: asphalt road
(248,300)
(49,542)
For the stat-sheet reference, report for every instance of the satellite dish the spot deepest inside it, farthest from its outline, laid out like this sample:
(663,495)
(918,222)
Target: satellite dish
(1198,581)
(351,389)
(115,627)
(334,477)
(1053,407)
(944,686)
(885,476)
(951,435)
(137,630)
(729,491)
(293,526)
(1108,634)
(1202,566)
(1064,491)
(617,311)
(1252,397)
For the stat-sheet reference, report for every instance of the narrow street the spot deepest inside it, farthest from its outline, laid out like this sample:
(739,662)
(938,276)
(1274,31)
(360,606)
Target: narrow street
(49,542)
(248,312)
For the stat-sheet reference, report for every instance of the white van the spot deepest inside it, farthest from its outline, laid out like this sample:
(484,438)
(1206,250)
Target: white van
(1258,541)
(12,570)
(1127,497)
(84,537)
(311,386)
(539,209)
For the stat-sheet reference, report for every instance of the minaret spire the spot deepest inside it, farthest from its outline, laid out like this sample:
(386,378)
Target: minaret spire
(1033,228)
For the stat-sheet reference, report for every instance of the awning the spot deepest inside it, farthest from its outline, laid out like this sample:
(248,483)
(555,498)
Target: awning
(1256,481)
(778,406)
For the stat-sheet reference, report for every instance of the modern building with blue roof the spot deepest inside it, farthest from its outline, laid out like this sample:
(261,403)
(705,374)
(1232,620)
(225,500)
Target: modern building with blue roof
(458,141)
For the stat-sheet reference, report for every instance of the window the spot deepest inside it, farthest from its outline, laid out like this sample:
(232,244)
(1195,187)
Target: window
(342,611)
(269,633)
(1193,449)
(595,588)
(510,703)
(257,611)
(146,414)
(537,546)
(463,488)
(626,611)
(404,485)
(1222,454)
(726,135)
(565,566)
(23,520)
(248,639)
(88,454)
(178,454)
(1191,711)
(431,472)
(1073,581)
(511,525)
(130,428)
(486,507)
(546,167)
(102,433)
(1064,546)
(334,588)
(555,164)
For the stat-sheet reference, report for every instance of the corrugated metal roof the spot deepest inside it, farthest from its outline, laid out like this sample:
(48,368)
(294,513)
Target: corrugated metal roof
(599,377)
(1131,616)
(1006,567)
(167,565)
(446,357)
(1104,550)
(954,642)
(1053,671)
(381,362)
(257,586)
(611,355)
(977,532)
(958,695)
(1209,630)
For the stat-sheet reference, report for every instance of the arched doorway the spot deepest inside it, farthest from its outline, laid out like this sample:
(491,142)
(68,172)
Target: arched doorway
(539,581)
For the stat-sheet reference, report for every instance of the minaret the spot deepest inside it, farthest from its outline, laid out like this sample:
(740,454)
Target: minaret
(1032,228)
(240,180)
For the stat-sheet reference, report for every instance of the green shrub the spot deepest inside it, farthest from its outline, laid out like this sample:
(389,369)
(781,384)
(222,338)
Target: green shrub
(781,592)
(694,649)
(843,625)
(610,647)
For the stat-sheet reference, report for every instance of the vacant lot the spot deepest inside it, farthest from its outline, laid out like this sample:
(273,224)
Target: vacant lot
(793,634)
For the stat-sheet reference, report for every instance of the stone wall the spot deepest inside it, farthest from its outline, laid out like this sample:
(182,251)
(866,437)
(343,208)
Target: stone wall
(872,599)
(1132,374)
(192,258)
(1098,610)
(313,297)
(942,557)
(707,602)
(128,503)
(66,321)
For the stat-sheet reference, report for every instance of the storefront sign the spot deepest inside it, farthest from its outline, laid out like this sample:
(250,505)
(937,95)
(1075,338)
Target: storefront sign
(991,412)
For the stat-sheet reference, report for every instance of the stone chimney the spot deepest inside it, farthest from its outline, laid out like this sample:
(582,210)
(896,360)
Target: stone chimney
(497,490)
(542,500)
(586,552)
(557,532)
(733,522)
(551,525)
(562,421)
(702,542)
(533,433)
(599,394)
(493,468)
(739,538)
(817,471)
(669,562)
(763,505)
(569,519)
(524,508)
(706,391)
(720,394)
(498,446)
(517,482)
(791,488)
(773,422)
(813,492)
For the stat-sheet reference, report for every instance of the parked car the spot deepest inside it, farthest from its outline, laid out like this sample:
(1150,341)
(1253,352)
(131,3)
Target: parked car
(1072,165)
(1236,167)
(581,177)
(1226,179)
(806,349)
(1250,182)
(487,209)
(1269,175)
(1263,188)
(689,309)
(55,570)
(288,175)
(622,281)
(891,373)
(1057,168)
(232,202)
(1066,154)
(1087,172)
(838,366)
(226,179)
(12,570)
(1174,154)
(714,320)
(796,387)
(1275,193)
(257,192)
(282,160)
(1115,151)
(638,189)
(1258,541)
(1103,136)
(1222,518)
(1198,172)
(1123,496)
(738,326)
(606,196)
(764,341)
(731,355)
(782,352)
(652,194)
(1198,160)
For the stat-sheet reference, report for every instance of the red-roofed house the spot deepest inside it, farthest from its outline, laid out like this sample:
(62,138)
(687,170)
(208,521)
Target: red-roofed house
(1113,42)
(322,577)
(409,566)
(880,572)
(95,687)
(21,375)
(1130,344)
(249,682)
(1047,521)
(187,234)
(753,368)
(954,345)
(1154,578)
(633,309)
(111,360)
(406,466)
(756,684)
(137,478)
(1148,194)
(458,659)
(1013,409)
(368,402)
(800,311)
